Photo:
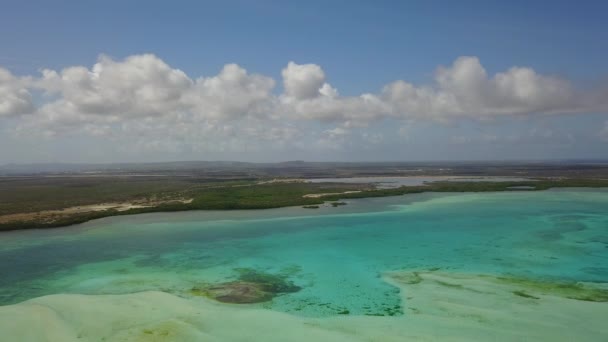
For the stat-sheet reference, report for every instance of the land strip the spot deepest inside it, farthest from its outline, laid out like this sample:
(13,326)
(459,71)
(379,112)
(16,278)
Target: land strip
(55,202)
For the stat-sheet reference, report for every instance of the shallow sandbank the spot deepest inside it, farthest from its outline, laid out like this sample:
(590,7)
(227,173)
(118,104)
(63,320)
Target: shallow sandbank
(437,306)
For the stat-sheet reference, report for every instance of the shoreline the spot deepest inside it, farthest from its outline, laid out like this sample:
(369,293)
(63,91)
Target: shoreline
(308,199)
(437,305)
(356,282)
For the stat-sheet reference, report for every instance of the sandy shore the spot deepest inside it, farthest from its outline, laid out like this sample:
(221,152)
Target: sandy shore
(330,194)
(52,215)
(438,306)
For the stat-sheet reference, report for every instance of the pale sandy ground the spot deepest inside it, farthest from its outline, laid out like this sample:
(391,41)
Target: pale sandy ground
(51,215)
(330,194)
(470,308)
(283,180)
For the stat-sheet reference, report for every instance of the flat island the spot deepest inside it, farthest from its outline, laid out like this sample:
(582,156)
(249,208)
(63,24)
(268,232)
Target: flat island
(55,199)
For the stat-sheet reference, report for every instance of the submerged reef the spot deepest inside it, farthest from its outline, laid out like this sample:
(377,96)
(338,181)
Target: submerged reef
(252,286)
(236,292)
(521,287)
(570,290)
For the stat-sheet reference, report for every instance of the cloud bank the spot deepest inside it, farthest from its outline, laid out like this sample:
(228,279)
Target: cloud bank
(142,96)
(15,98)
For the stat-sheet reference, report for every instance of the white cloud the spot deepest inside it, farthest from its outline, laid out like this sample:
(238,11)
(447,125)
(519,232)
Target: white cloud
(15,99)
(141,85)
(328,91)
(350,111)
(232,93)
(307,96)
(302,81)
(465,90)
(142,97)
(145,86)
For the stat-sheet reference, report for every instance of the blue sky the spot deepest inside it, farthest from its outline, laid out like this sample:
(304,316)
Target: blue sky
(360,47)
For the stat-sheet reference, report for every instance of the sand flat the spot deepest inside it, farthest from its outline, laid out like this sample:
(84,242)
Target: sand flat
(439,306)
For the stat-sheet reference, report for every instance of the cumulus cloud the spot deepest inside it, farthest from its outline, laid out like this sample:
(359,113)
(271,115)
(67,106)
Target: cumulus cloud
(15,98)
(232,93)
(143,88)
(141,85)
(307,96)
(143,96)
(464,89)
(350,111)
(303,81)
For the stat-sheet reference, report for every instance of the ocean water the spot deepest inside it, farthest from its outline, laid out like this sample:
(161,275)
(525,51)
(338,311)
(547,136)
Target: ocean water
(336,255)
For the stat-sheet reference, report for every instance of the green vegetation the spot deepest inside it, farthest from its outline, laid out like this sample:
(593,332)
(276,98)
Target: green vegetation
(571,290)
(263,196)
(446,186)
(522,287)
(31,196)
(524,294)
(393,311)
(52,193)
(164,194)
(444,283)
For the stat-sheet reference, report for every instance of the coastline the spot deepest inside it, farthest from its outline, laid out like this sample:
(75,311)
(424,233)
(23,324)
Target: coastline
(438,305)
(513,291)
(303,198)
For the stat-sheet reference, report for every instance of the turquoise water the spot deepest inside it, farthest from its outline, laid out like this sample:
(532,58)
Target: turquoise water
(337,255)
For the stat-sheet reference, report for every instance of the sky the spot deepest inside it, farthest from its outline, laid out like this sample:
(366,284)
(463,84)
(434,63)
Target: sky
(134,81)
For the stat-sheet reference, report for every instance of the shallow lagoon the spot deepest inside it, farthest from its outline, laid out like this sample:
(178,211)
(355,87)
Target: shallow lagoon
(389,182)
(338,256)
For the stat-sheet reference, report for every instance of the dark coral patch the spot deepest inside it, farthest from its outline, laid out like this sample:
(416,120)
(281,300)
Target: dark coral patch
(252,286)
(238,292)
